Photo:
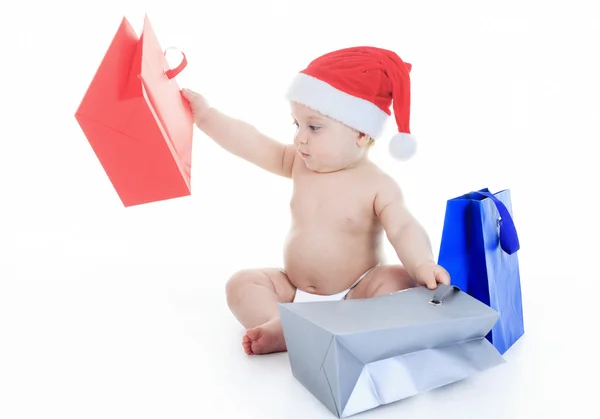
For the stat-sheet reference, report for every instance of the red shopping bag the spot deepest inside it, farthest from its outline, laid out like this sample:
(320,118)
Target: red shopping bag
(136,120)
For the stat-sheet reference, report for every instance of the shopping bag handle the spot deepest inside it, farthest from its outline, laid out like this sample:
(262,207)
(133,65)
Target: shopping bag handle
(442,292)
(175,71)
(509,240)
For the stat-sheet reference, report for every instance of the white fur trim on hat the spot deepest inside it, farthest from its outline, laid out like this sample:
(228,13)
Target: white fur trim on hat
(403,146)
(353,111)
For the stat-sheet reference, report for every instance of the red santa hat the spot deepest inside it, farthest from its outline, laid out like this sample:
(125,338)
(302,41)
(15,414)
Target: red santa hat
(356,86)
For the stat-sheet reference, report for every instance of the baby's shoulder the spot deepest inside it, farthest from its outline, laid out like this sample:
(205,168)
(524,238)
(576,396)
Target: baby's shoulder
(379,178)
(385,189)
(378,184)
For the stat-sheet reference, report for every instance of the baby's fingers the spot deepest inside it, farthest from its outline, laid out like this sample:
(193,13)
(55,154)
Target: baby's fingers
(442,276)
(188,94)
(430,281)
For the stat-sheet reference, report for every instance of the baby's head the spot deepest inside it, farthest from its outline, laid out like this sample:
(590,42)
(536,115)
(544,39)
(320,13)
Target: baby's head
(341,102)
(327,145)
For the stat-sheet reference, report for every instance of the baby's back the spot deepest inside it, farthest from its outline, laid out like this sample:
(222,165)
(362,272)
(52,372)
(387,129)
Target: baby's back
(335,234)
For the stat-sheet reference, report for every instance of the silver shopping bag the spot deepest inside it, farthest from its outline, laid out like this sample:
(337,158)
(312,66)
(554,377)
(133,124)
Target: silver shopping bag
(356,355)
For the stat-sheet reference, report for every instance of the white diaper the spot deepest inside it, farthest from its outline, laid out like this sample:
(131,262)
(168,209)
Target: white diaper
(304,297)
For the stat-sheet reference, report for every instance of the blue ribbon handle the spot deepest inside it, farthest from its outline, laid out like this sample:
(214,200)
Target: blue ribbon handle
(509,240)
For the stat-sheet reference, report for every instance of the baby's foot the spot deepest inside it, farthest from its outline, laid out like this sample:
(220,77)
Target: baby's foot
(264,339)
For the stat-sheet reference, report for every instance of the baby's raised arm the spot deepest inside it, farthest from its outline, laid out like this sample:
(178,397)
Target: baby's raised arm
(240,138)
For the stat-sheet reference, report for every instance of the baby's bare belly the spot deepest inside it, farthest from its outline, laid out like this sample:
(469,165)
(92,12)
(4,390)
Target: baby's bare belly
(326,261)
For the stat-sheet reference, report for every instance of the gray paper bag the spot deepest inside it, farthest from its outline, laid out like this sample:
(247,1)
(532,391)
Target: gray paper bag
(355,355)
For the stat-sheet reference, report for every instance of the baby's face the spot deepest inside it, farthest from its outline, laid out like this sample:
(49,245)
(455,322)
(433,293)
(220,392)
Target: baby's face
(324,144)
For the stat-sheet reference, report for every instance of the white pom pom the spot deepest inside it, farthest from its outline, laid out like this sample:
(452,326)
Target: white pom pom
(403,146)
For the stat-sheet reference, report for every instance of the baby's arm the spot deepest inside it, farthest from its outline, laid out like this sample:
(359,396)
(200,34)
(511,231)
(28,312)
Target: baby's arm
(407,236)
(240,138)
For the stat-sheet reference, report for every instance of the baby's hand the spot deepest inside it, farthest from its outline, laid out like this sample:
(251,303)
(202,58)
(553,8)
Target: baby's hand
(430,274)
(198,104)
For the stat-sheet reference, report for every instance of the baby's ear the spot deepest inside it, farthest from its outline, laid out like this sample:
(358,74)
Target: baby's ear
(363,139)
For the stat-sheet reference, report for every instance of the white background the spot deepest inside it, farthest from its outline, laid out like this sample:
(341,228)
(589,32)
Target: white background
(120,313)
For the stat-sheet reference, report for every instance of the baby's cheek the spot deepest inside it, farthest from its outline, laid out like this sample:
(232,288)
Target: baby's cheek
(329,150)
(330,155)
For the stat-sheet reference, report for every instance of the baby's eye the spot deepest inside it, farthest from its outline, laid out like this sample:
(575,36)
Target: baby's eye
(313,127)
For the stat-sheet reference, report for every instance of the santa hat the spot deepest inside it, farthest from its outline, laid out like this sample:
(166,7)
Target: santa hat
(356,87)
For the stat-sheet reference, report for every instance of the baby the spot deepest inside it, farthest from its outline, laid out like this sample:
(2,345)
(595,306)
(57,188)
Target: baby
(342,204)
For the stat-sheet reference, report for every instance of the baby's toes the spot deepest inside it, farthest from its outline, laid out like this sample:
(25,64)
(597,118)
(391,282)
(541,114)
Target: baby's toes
(254,334)
(247,347)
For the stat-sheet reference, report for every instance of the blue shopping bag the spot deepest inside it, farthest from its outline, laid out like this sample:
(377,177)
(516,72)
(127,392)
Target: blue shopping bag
(478,248)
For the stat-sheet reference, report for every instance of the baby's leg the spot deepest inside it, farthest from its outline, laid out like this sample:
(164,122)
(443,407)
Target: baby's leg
(252,296)
(382,280)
